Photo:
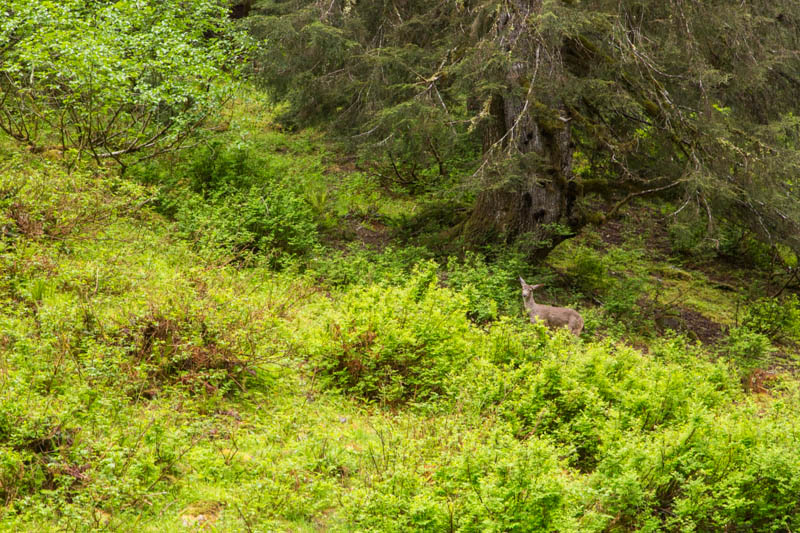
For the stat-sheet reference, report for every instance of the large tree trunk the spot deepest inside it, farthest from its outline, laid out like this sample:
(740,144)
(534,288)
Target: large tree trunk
(539,206)
(538,203)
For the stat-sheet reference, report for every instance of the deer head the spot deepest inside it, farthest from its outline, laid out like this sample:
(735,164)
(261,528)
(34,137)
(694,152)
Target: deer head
(527,290)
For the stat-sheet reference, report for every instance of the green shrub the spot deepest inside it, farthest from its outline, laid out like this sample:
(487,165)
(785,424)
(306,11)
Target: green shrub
(677,348)
(748,348)
(38,455)
(489,482)
(509,485)
(393,344)
(592,321)
(217,166)
(687,235)
(432,217)
(358,265)
(619,277)
(718,471)
(42,201)
(589,269)
(182,346)
(113,79)
(268,220)
(515,341)
(774,318)
(232,200)
(569,394)
(491,289)
(623,298)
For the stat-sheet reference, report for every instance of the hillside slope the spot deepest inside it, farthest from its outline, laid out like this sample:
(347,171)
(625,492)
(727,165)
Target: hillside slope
(168,364)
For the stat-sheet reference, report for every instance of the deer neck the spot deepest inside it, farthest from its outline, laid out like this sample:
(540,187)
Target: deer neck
(530,303)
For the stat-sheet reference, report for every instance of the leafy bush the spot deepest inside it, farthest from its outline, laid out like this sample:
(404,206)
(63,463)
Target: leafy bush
(619,277)
(623,300)
(741,245)
(589,269)
(268,220)
(218,165)
(357,265)
(515,486)
(491,482)
(232,200)
(672,480)
(42,201)
(113,78)
(687,235)
(570,395)
(433,217)
(393,344)
(515,341)
(774,318)
(491,289)
(748,348)
(666,444)
(174,346)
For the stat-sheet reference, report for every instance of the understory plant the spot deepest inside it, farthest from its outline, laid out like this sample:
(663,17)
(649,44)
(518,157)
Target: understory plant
(393,343)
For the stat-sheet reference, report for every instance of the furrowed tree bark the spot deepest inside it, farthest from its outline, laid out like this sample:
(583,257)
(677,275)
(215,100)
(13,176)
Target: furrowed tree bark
(540,208)
(537,204)
(657,97)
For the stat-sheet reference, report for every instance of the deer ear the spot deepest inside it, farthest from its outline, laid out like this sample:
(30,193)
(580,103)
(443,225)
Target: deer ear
(534,287)
(522,281)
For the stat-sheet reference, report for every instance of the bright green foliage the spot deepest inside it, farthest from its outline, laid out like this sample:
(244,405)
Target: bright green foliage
(774,318)
(618,277)
(232,203)
(748,348)
(147,384)
(569,395)
(111,79)
(393,344)
(360,266)
(514,342)
(492,289)
(516,486)
(267,219)
(673,480)
(488,482)
(96,324)
(137,388)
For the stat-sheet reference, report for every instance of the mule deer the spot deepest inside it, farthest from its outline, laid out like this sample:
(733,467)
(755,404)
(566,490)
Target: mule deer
(553,317)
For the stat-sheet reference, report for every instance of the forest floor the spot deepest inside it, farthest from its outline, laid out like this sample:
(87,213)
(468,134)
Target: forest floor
(149,383)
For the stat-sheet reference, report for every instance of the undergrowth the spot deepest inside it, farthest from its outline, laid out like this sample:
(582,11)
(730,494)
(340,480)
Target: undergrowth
(200,347)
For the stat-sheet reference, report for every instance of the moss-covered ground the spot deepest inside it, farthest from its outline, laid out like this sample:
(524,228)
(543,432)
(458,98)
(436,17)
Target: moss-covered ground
(170,366)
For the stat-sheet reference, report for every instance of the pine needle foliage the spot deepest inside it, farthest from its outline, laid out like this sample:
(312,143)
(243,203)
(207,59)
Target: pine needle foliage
(689,99)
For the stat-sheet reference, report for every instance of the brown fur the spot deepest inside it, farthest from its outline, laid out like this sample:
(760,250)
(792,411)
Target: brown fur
(553,317)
